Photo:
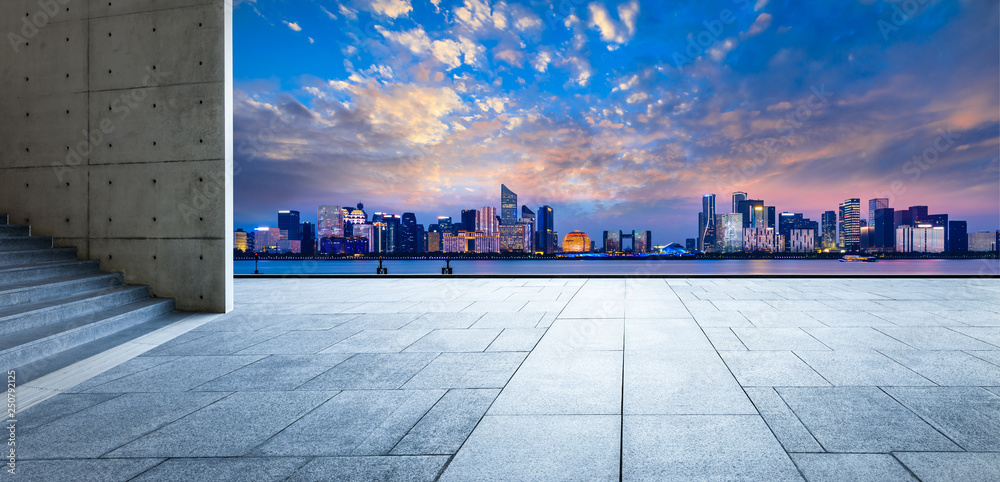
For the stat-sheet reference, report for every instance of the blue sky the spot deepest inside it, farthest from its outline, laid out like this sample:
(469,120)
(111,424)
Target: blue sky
(619,114)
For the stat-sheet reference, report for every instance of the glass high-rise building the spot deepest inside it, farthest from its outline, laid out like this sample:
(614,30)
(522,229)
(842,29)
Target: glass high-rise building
(546,230)
(850,224)
(528,219)
(873,204)
(738,196)
(408,234)
(829,222)
(330,221)
(751,218)
(468,221)
(486,220)
(729,233)
(289,225)
(508,206)
(444,224)
(613,241)
(958,236)
(308,246)
(706,223)
(884,230)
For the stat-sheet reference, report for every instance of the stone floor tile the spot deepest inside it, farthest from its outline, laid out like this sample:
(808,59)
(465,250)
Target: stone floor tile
(223,469)
(396,469)
(851,467)
(583,334)
(786,427)
(681,382)
(940,338)
(861,368)
(571,382)
(969,416)
(771,369)
(184,373)
(778,339)
(951,466)
(468,340)
(446,426)
(468,370)
(665,334)
(371,371)
(377,341)
(82,470)
(949,368)
(517,339)
(276,372)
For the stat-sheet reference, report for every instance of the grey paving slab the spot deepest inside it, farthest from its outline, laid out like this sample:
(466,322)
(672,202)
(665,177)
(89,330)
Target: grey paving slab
(495,306)
(952,466)
(468,370)
(839,318)
(521,319)
(861,368)
(656,309)
(723,338)
(535,306)
(781,319)
(972,317)
(379,307)
(355,422)
(721,318)
(396,468)
(81,470)
(861,419)
(96,430)
(914,318)
(571,382)
(702,447)
(939,338)
(969,416)
(276,372)
(300,342)
(386,321)
(582,307)
(468,340)
(989,335)
(183,373)
(446,426)
(438,306)
(517,339)
(778,339)
(369,371)
(681,382)
(228,428)
(785,425)
(377,341)
(223,469)
(851,467)
(954,368)
(855,338)
(58,407)
(771,369)
(800,305)
(665,334)
(743,305)
(540,448)
(435,321)
(583,334)
(217,343)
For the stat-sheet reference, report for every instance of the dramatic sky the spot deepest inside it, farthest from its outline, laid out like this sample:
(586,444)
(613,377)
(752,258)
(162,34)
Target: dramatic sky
(619,114)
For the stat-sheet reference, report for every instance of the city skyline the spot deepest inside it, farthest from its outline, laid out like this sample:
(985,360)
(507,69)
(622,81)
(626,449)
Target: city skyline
(600,112)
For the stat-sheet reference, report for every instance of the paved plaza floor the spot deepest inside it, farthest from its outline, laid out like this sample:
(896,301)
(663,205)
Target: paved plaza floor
(549,379)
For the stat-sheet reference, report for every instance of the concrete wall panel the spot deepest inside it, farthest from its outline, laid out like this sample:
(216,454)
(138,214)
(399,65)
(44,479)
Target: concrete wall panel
(163,47)
(104,8)
(53,61)
(23,17)
(184,269)
(178,200)
(52,129)
(27,196)
(170,123)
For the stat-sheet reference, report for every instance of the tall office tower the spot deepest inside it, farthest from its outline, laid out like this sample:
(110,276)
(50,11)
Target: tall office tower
(691,244)
(613,241)
(289,224)
(706,223)
(641,241)
(266,239)
(378,239)
(508,206)
(772,219)
(468,221)
(923,238)
(512,238)
(394,233)
(982,241)
(801,241)
(528,219)
(737,197)
(958,236)
(786,223)
(761,240)
(885,230)
(546,230)
(729,233)
(251,242)
(330,221)
(850,224)
(240,240)
(421,239)
(829,224)
(444,223)
(748,208)
(873,204)
(918,213)
(938,221)
(434,239)
(408,234)
(308,246)
(486,220)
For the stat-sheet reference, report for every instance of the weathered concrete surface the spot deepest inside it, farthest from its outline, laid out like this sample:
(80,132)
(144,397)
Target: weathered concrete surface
(116,137)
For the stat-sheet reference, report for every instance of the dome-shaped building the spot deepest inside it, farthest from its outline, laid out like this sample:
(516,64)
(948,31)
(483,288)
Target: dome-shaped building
(673,249)
(576,242)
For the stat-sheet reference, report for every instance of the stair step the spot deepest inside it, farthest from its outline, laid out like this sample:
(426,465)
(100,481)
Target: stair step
(8,230)
(32,315)
(40,271)
(32,256)
(40,290)
(19,243)
(30,345)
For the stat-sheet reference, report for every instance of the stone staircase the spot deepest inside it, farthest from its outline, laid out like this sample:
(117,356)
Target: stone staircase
(55,310)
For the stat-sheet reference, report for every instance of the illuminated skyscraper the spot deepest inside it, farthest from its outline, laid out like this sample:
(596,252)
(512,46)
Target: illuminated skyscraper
(958,237)
(829,222)
(528,219)
(884,230)
(737,197)
(850,224)
(873,204)
(240,240)
(288,223)
(408,234)
(642,241)
(468,221)
(751,215)
(546,230)
(308,246)
(330,221)
(612,241)
(706,223)
(486,220)
(729,233)
(508,206)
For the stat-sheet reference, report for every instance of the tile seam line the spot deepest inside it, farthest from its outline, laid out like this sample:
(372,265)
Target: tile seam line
(926,420)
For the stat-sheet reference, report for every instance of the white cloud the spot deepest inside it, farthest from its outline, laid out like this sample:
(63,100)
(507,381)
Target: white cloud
(760,4)
(292,25)
(541,61)
(637,97)
(447,51)
(759,25)
(391,8)
(721,49)
(496,104)
(348,12)
(620,31)
(474,14)
(311,40)
(511,56)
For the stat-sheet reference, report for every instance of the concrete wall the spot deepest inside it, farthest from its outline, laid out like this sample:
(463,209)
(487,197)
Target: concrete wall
(116,137)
